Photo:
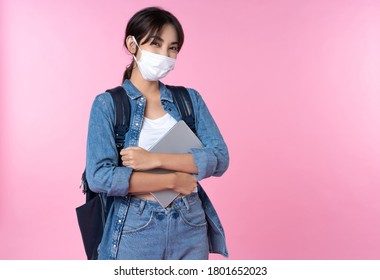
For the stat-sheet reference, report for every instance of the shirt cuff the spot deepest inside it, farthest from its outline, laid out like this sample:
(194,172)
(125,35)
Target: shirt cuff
(120,182)
(206,162)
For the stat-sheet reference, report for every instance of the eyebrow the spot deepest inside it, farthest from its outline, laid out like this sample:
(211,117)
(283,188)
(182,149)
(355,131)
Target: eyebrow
(158,38)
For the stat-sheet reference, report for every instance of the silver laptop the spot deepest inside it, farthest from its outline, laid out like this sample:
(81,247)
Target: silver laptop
(179,139)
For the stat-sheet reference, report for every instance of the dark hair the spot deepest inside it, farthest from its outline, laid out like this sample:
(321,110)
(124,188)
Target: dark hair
(149,21)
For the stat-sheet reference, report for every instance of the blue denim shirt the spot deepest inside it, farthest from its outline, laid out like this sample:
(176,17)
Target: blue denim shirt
(104,175)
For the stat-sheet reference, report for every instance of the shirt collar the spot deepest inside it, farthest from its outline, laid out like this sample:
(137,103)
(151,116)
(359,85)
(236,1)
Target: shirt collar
(134,93)
(131,90)
(166,94)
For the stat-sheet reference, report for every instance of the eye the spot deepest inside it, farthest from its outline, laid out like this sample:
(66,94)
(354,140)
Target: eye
(174,48)
(155,43)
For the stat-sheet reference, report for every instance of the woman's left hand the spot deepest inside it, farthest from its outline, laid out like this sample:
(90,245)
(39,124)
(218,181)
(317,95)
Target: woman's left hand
(138,159)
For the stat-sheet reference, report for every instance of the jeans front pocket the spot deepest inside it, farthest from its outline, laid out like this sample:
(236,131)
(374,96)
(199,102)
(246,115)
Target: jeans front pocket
(136,220)
(194,216)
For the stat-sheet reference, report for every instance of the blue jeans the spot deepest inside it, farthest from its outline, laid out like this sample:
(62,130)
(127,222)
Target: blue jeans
(151,232)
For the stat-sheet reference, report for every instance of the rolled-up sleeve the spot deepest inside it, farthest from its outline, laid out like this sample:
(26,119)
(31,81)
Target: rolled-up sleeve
(102,171)
(213,158)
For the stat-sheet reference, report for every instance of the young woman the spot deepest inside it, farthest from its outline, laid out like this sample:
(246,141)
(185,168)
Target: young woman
(137,226)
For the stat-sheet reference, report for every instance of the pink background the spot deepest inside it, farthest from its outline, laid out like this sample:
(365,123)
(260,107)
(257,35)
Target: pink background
(294,86)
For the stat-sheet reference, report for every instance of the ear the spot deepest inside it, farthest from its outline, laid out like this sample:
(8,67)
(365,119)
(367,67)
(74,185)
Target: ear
(130,44)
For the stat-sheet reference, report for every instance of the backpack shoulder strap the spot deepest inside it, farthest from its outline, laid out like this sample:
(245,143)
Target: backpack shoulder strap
(122,115)
(184,104)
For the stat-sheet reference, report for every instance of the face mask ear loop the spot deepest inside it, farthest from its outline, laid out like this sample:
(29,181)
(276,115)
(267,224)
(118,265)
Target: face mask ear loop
(134,40)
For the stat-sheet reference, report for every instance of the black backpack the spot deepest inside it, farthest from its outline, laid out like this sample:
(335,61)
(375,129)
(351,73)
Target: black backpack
(92,215)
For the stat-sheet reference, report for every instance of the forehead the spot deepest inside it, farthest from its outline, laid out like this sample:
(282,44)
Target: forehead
(167,34)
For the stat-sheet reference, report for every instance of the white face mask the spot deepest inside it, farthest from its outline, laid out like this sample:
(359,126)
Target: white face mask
(153,66)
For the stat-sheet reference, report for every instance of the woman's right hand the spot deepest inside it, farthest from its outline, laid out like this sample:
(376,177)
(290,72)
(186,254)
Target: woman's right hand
(184,183)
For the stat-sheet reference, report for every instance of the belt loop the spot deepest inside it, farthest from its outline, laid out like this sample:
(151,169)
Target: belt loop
(142,206)
(184,199)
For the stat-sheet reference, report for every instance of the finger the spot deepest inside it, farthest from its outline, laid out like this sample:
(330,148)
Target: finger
(135,148)
(128,163)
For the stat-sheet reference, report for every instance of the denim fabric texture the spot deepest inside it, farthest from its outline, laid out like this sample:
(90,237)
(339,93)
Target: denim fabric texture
(104,174)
